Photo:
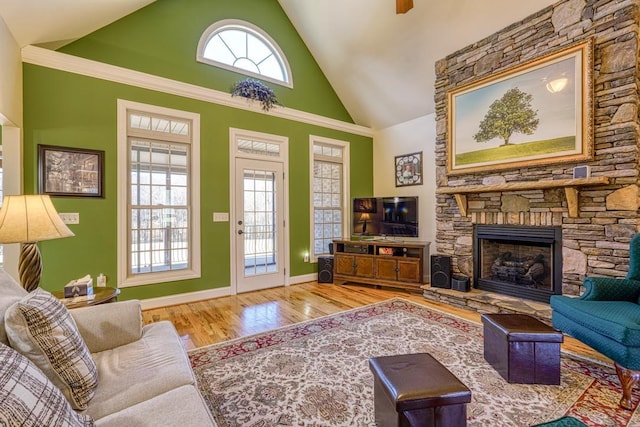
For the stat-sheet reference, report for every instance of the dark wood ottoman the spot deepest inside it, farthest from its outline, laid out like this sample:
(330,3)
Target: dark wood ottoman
(522,349)
(418,391)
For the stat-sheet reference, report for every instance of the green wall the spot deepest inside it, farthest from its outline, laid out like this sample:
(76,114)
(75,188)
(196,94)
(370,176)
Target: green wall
(70,110)
(162,39)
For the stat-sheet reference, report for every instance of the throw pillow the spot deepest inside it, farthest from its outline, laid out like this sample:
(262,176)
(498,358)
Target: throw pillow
(40,327)
(28,398)
(10,292)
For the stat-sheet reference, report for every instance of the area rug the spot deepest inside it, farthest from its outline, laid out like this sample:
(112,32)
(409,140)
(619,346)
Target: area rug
(316,373)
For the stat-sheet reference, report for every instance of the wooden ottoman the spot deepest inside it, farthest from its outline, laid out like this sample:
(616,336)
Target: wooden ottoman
(418,391)
(522,349)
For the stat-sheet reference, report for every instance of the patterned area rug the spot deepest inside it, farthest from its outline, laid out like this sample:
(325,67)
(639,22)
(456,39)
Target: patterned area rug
(316,373)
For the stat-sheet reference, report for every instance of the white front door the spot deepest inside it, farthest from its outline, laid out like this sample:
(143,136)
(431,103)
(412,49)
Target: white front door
(259,224)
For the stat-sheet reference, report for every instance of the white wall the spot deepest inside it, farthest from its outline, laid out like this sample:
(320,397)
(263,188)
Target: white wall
(10,79)
(409,137)
(11,121)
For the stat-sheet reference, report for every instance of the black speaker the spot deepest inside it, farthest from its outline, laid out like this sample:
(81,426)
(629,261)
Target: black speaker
(441,271)
(325,269)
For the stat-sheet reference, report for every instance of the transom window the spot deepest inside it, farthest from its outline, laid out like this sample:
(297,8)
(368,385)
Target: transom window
(244,48)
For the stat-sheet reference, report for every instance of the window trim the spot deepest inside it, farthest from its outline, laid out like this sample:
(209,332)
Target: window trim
(257,31)
(346,195)
(124,280)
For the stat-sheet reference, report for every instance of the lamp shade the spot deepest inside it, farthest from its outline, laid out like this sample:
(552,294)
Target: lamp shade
(30,218)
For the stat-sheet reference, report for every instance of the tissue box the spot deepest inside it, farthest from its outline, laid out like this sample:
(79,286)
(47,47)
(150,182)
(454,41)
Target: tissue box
(76,288)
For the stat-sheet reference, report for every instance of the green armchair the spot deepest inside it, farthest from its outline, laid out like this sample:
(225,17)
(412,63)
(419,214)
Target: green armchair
(606,317)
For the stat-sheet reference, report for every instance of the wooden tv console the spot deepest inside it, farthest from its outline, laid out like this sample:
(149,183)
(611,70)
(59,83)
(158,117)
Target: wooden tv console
(380,262)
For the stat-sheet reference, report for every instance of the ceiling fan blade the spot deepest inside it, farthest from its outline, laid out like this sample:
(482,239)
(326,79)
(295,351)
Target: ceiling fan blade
(403,6)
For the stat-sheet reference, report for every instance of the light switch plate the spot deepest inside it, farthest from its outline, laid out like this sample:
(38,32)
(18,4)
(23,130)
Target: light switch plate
(221,217)
(70,217)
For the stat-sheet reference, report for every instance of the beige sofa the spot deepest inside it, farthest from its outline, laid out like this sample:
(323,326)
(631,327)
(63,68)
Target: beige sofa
(144,374)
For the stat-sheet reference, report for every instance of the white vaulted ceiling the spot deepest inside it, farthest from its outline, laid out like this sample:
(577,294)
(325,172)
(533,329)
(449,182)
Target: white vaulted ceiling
(380,64)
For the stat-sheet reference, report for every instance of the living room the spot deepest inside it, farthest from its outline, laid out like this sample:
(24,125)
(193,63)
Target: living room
(69,93)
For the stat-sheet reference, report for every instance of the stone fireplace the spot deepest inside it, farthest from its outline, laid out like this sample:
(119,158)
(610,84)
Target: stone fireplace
(595,217)
(521,261)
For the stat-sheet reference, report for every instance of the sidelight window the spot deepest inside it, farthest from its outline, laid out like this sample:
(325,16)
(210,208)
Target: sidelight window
(329,194)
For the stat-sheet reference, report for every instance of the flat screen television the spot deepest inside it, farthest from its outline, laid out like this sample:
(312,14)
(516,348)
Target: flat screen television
(385,216)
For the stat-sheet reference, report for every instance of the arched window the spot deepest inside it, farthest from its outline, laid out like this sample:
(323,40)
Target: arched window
(244,48)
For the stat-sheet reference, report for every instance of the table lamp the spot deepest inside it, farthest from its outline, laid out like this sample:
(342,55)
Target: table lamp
(365,206)
(364,217)
(28,219)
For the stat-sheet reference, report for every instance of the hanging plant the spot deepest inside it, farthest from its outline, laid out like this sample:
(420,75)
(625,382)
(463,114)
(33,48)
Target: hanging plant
(256,90)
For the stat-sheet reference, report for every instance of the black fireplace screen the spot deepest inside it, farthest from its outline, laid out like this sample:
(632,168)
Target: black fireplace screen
(519,264)
(522,261)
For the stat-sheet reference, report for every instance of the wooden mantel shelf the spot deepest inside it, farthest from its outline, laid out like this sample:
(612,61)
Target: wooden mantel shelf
(570,188)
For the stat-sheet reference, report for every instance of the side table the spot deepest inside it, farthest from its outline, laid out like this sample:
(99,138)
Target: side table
(100,296)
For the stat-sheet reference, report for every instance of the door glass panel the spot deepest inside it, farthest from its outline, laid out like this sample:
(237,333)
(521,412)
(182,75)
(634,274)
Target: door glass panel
(260,219)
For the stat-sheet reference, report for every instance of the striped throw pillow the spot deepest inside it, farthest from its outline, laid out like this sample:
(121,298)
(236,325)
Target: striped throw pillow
(28,398)
(40,327)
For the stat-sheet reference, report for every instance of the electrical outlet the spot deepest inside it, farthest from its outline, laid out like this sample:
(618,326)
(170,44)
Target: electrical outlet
(70,217)
(306,257)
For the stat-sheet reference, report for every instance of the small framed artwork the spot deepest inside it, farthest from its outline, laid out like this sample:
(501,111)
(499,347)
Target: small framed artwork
(408,169)
(71,172)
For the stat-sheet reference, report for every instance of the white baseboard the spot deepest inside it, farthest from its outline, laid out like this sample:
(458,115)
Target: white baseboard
(185,298)
(294,280)
(209,293)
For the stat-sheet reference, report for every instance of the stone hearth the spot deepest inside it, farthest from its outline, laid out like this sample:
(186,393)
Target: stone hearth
(488,302)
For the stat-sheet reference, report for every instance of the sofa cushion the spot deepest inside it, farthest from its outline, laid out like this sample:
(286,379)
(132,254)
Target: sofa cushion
(175,408)
(617,320)
(40,327)
(10,292)
(28,398)
(139,371)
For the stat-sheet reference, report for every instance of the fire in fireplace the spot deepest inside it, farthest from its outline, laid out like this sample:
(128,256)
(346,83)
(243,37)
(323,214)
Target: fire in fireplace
(521,261)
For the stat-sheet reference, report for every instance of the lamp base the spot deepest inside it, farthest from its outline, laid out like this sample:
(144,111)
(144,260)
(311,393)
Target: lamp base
(30,266)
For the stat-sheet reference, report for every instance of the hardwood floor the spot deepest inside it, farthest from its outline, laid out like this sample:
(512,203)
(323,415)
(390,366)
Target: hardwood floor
(220,319)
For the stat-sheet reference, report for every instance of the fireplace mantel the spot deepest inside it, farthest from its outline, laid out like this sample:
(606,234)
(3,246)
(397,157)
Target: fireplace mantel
(570,188)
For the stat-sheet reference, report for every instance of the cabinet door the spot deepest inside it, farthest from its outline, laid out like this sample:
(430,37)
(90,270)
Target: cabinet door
(344,264)
(364,266)
(409,270)
(386,268)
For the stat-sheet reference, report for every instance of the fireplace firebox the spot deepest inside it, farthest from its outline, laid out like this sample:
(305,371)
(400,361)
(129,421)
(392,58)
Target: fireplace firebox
(521,261)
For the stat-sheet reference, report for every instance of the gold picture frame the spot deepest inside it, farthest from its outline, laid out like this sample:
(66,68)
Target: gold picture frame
(538,113)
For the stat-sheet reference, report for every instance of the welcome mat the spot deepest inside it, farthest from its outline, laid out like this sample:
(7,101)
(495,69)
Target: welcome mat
(316,373)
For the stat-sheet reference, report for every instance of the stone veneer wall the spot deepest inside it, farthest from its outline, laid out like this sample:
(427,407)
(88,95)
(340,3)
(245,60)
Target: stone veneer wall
(595,243)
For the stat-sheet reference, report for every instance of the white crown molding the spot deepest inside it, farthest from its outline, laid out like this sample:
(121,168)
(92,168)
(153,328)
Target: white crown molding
(86,67)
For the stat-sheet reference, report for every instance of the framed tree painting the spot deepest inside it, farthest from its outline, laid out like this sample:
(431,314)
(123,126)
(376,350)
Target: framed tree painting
(538,113)
(408,169)
(72,172)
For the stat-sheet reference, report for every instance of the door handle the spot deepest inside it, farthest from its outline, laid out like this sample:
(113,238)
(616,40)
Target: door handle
(240,232)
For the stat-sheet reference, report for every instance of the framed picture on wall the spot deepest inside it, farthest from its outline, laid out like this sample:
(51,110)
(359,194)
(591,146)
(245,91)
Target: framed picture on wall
(537,113)
(408,168)
(71,172)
